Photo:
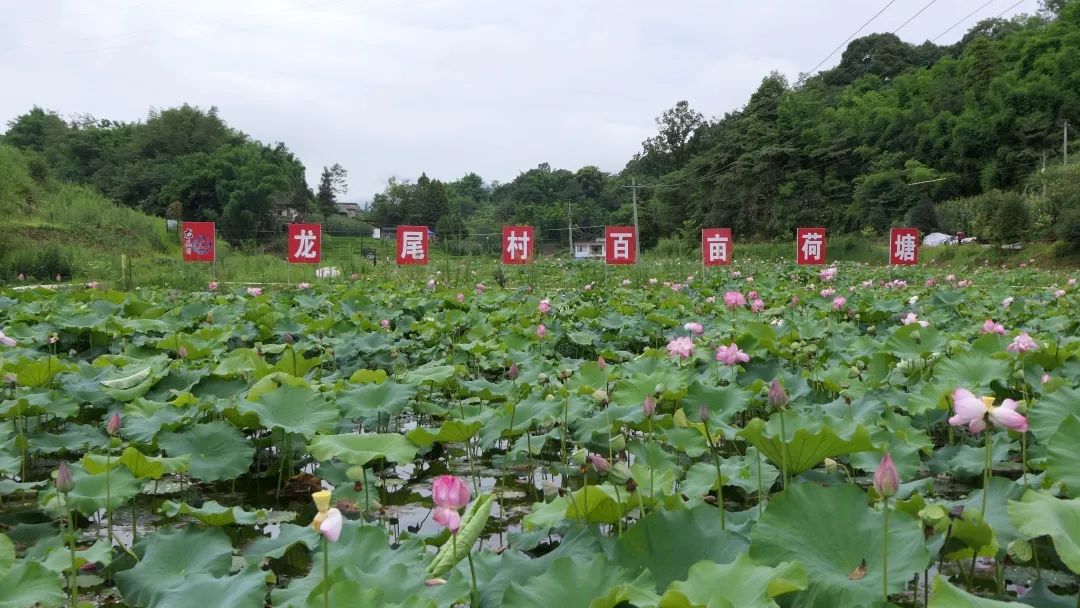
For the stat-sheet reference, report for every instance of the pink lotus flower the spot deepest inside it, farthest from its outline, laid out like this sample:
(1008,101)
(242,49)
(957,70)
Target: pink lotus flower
(22,277)
(1007,302)
(736,273)
(212,286)
(450,494)
(93,285)
(541,331)
(385,324)
(827,292)
(839,302)
(354,276)
(58,277)
(749,279)
(254,291)
(113,426)
(757,305)
(989,327)
(676,287)
(931,282)
(681,347)
(731,355)
(182,353)
(752,295)
(481,288)
(1072,281)
(431,283)
(588,287)
(950,277)
(648,407)
(910,318)
(734,299)
(1059,293)
(828,274)
(330,528)
(460,298)
(867,283)
(965,283)
(886,479)
(599,463)
(653,281)
(710,300)
(1045,378)
(544,306)
(7,340)
(1022,344)
(694,328)
(626,282)
(303,285)
(973,411)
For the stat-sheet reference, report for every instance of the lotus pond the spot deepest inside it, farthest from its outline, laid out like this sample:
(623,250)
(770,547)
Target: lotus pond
(764,436)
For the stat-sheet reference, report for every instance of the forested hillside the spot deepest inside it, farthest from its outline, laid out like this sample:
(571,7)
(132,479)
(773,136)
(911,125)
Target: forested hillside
(951,137)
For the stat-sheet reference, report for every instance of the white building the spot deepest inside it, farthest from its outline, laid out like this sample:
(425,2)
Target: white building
(584,250)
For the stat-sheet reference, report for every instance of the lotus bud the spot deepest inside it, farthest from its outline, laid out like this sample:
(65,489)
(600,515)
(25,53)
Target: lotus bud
(648,407)
(542,378)
(181,352)
(660,388)
(550,489)
(599,463)
(620,473)
(64,481)
(287,338)
(579,457)
(114,424)
(603,364)
(600,395)
(512,373)
(886,479)
(830,465)
(778,397)
(330,528)
(53,339)
(434,582)
(703,412)
(618,443)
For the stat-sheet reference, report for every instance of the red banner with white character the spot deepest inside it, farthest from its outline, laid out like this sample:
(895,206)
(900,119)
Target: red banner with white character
(305,243)
(904,246)
(810,246)
(412,245)
(620,245)
(518,244)
(716,246)
(198,241)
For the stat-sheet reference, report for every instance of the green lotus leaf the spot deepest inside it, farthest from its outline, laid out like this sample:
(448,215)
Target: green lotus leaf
(368,376)
(944,595)
(370,402)
(275,547)
(242,361)
(1002,491)
(1063,454)
(593,584)
(451,431)
(73,438)
(269,383)
(293,409)
(89,494)
(7,554)
(668,543)
(831,530)
(739,584)
(213,514)
(188,561)
(29,583)
(40,372)
(972,371)
(915,341)
(144,419)
(1038,514)
(809,441)
(431,374)
(1046,415)
(594,504)
(56,555)
(295,363)
(361,449)
(217,450)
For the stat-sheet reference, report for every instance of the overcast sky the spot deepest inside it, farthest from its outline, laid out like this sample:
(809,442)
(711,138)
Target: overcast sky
(396,87)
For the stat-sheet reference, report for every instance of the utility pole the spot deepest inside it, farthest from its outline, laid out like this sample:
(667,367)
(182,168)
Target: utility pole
(637,233)
(1042,174)
(1065,145)
(570,229)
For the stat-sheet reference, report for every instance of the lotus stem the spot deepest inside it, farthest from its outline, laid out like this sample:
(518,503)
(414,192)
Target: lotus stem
(986,473)
(759,490)
(885,554)
(474,593)
(326,572)
(73,585)
(719,475)
(108,494)
(562,436)
(783,449)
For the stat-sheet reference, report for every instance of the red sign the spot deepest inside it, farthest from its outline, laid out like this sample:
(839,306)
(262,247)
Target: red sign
(198,240)
(810,246)
(305,243)
(518,244)
(716,246)
(620,245)
(904,246)
(412,245)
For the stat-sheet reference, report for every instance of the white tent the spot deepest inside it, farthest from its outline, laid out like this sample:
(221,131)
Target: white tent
(935,239)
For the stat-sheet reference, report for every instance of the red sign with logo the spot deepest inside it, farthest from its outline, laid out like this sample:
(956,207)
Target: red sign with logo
(198,241)
(620,245)
(305,243)
(412,245)
(716,246)
(810,246)
(518,244)
(904,246)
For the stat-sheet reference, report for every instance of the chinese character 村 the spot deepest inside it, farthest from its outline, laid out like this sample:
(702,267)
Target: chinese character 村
(811,245)
(516,243)
(412,245)
(305,248)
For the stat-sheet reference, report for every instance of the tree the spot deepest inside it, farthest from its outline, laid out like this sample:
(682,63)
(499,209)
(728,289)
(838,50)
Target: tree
(332,185)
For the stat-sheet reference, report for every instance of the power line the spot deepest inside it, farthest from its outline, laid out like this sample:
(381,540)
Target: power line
(848,39)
